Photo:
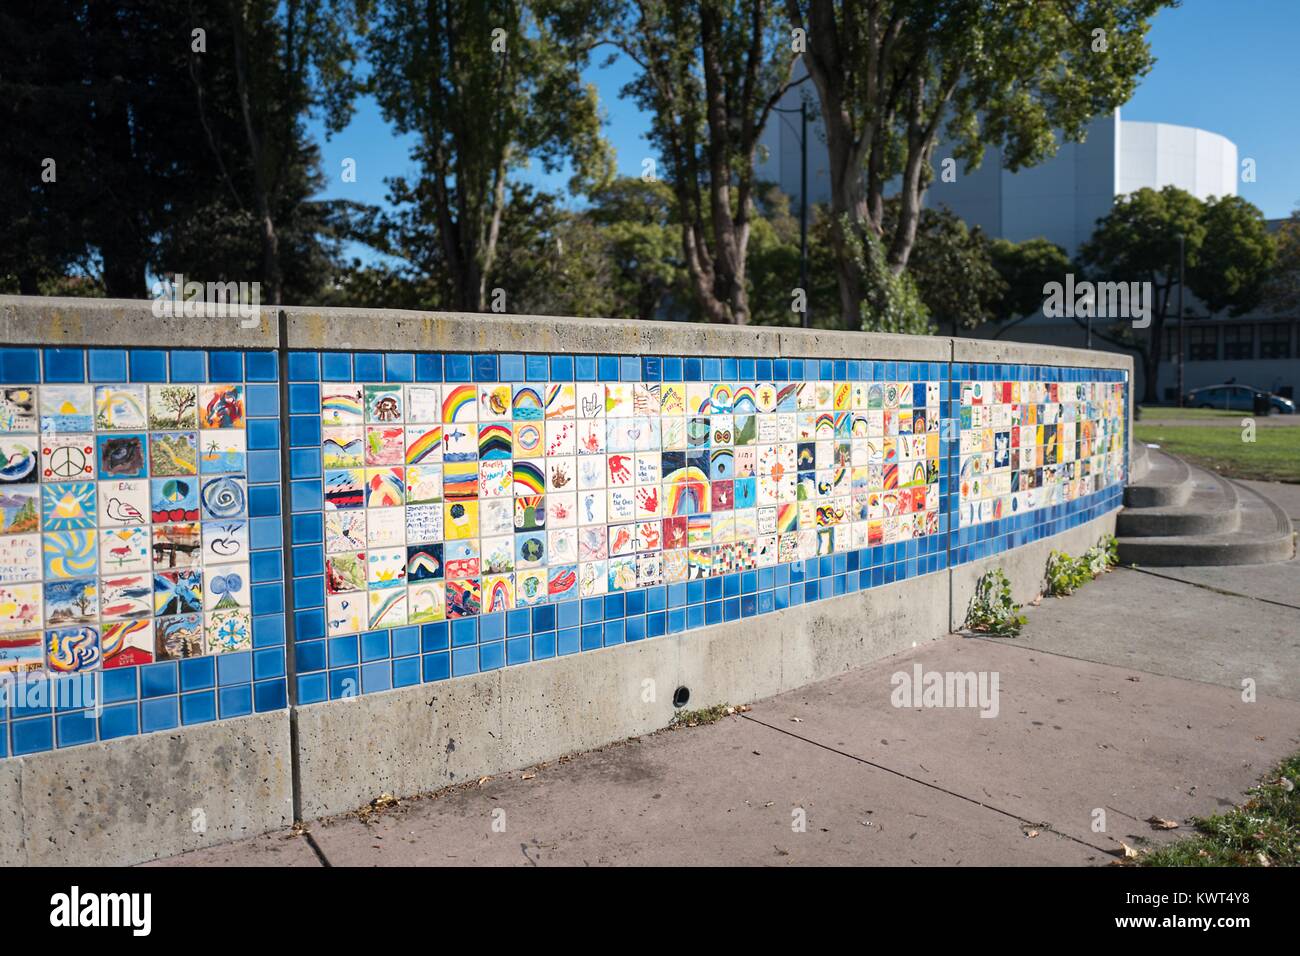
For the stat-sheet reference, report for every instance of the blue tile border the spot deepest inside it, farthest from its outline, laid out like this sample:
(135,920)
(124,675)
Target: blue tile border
(294,654)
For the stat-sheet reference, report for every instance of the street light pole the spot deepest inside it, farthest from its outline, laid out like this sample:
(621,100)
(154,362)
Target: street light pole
(1182,349)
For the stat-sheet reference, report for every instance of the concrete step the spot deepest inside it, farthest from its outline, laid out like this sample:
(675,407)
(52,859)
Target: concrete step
(1139,462)
(1213,507)
(1167,483)
(1262,535)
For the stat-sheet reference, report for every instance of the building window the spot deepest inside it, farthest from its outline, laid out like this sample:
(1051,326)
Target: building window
(1202,344)
(1274,341)
(1239,341)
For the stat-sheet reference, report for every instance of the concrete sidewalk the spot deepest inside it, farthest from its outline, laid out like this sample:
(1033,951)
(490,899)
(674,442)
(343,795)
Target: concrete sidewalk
(1123,700)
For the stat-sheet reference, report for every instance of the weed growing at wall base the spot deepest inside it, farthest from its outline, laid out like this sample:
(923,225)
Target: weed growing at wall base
(991,609)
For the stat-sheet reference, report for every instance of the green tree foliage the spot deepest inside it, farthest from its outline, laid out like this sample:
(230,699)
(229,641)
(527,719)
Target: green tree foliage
(711,73)
(1282,289)
(1228,255)
(178,133)
(639,221)
(892,74)
(953,269)
(1025,267)
(485,87)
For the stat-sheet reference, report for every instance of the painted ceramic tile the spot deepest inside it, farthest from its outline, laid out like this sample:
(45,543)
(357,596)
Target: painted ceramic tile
(67,408)
(223,498)
(70,650)
(127,643)
(67,457)
(224,541)
(177,592)
(222,450)
(21,653)
(126,597)
(176,545)
(226,587)
(175,453)
(383,403)
(121,456)
(228,631)
(20,508)
(20,558)
(71,602)
(174,499)
(68,506)
(176,638)
(18,409)
(173,407)
(120,407)
(124,549)
(71,554)
(221,406)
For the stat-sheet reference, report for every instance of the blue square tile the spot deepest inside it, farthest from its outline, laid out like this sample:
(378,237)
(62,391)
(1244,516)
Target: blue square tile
(562,368)
(32,736)
(197,673)
(428,368)
(399,367)
(69,365)
(122,720)
(20,366)
(336,366)
(304,367)
(107,365)
(261,366)
(436,666)
(198,708)
(236,701)
(74,729)
(512,368)
(457,367)
(162,713)
(158,680)
(225,366)
(368,366)
(537,368)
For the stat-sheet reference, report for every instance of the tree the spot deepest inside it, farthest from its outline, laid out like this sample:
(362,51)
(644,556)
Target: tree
(1227,256)
(711,73)
(952,267)
(262,68)
(890,73)
(638,219)
(485,87)
(1282,289)
(1235,257)
(1025,267)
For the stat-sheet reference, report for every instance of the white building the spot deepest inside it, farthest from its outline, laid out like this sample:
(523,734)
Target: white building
(1061,200)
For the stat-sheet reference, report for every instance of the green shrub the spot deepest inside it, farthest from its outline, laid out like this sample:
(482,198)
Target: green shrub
(991,609)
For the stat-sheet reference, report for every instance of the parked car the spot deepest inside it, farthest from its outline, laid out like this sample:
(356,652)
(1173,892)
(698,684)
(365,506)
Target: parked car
(1240,398)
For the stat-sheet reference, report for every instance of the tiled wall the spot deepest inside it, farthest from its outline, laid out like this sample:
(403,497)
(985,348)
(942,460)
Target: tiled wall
(140,542)
(450,513)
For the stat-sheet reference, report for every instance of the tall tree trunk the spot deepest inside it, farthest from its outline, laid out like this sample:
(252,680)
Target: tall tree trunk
(270,241)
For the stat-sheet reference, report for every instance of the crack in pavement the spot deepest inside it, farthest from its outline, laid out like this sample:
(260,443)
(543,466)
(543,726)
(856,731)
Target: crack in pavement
(1209,587)
(1046,827)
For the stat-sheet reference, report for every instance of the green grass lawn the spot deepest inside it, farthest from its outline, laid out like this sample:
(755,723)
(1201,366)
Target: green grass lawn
(1264,831)
(1273,456)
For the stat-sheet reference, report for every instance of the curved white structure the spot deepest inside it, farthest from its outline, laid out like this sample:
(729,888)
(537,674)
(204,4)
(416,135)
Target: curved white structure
(1060,199)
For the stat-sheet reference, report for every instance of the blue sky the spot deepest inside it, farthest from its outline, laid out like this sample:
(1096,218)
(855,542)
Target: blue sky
(1227,66)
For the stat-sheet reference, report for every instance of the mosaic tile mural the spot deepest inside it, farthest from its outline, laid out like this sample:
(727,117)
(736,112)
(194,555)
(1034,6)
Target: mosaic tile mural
(135,496)
(453,513)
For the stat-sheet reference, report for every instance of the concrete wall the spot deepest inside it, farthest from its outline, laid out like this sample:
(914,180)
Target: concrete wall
(136,798)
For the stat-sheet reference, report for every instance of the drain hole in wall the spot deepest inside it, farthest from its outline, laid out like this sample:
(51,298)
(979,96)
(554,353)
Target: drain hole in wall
(681,697)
